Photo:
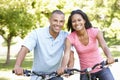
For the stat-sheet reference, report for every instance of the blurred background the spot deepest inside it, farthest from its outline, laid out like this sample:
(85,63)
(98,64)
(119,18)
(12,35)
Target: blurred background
(19,17)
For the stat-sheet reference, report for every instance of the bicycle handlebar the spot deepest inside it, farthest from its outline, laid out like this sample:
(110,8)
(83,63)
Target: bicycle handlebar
(102,64)
(48,76)
(43,75)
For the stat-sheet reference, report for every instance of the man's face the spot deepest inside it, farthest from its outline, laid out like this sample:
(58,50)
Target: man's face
(56,22)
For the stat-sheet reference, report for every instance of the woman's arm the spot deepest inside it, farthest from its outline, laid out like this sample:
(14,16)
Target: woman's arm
(71,60)
(66,57)
(104,47)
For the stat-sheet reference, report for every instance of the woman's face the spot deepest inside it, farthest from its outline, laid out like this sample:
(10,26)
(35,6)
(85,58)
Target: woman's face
(78,22)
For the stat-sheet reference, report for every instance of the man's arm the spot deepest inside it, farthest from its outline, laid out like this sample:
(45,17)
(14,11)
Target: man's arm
(20,57)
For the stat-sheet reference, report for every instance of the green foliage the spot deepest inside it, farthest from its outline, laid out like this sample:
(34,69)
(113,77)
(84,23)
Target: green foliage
(105,15)
(18,17)
(61,4)
(16,21)
(112,41)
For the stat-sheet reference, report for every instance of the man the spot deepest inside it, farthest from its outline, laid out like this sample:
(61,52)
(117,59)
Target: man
(48,45)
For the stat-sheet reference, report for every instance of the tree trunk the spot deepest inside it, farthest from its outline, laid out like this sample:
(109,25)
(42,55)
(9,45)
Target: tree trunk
(8,51)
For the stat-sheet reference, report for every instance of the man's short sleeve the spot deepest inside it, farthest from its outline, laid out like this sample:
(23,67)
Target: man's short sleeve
(30,40)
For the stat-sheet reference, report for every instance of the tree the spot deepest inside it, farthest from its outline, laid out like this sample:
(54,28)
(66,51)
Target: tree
(18,17)
(103,14)
(108,17)
(14,21)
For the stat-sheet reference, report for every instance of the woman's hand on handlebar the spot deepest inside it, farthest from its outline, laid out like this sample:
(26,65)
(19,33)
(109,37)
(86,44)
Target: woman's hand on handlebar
(18,70)
(110,60)
(60,71)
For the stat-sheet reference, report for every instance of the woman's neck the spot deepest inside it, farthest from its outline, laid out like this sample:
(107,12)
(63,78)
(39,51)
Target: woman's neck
(81,32)
(83,37)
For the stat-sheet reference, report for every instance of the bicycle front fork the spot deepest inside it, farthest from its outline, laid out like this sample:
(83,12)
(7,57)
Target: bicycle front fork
(91,77)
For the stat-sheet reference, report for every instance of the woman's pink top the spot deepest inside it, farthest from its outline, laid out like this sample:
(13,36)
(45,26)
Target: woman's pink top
(89,55)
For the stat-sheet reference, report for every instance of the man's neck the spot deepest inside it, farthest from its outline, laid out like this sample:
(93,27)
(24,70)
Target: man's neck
(53,34)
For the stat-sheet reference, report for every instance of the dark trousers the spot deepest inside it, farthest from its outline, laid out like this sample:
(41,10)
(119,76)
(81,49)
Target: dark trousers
(57,78)
(39,78)
(104,74)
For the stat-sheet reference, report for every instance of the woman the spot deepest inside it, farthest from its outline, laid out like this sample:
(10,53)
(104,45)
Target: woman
(86,41)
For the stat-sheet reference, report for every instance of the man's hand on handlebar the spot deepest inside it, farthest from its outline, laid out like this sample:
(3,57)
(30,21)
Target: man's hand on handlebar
(18,70)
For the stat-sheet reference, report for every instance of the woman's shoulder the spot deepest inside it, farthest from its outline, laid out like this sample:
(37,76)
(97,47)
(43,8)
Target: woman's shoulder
(72,33)
(93,31)
(93,28)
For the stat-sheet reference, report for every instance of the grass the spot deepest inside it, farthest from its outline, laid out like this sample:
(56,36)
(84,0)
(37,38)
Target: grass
(116,53)
(2,78)
(26,64)
(4,69)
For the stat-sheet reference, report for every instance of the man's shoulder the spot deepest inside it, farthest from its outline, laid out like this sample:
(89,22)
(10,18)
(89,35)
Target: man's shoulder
(37,31)
(40,29)
(64,32)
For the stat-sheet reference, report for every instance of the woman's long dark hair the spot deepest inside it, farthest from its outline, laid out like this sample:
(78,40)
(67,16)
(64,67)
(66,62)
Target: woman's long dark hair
(84,16)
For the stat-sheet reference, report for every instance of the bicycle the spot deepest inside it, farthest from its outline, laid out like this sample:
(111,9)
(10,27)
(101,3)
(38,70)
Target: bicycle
(88,70)
(43,75)
(49,76)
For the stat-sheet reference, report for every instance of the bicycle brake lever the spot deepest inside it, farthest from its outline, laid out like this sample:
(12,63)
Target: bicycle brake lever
(27,72)
(69,72)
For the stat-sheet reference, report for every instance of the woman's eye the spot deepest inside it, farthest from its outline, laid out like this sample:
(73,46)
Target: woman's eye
(79,20)
(73,21)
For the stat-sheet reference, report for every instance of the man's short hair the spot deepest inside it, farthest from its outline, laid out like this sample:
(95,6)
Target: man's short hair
(58,12)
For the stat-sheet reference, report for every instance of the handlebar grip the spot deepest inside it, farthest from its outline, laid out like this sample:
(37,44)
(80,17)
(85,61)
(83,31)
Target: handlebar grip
(116,60)
(24,71)
(69,71)
(13,71)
